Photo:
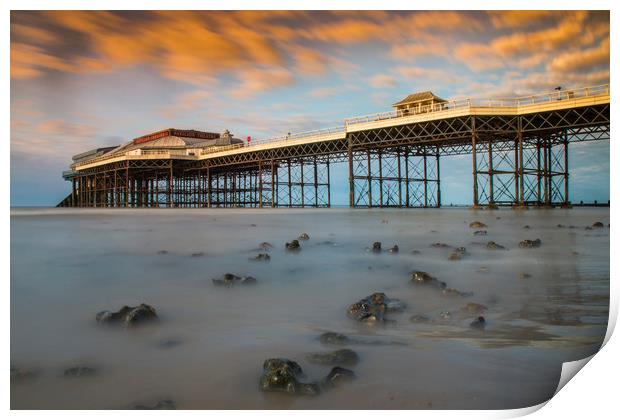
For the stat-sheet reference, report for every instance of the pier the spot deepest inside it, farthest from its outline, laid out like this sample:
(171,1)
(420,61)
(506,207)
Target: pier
(518,148)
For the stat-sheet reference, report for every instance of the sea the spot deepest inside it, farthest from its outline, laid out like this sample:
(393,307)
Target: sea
(544,305)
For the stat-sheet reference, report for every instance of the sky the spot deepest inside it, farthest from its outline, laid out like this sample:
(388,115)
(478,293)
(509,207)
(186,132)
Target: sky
(87,79)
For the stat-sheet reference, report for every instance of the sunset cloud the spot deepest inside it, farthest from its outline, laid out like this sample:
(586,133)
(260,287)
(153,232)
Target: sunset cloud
(382,81)
(576,61)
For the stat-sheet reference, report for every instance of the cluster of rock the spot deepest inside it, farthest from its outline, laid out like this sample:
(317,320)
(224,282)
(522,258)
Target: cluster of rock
(231,280)
(283,375)
(374,307)
(376,248)
(128,316)
(529,243)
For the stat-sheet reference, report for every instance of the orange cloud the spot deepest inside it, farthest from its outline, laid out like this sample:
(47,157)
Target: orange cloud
(256,80)
(63,128)
(433,46)
(382,81)
(582,60)
(531,49)
(28,61)
(519,18)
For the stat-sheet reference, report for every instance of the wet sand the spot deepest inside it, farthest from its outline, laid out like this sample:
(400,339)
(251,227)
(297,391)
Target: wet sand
(207,351)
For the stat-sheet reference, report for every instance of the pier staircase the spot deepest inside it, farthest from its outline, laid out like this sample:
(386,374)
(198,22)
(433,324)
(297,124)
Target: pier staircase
(66,202)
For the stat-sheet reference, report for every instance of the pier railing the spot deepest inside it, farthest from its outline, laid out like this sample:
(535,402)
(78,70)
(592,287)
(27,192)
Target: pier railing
(457,104)
(451,105)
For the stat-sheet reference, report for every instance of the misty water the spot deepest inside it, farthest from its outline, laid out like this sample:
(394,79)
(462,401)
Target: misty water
(208,349)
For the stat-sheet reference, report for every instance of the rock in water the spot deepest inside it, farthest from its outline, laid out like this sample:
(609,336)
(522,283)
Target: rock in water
(424,279)
(478,323)
(293,245)
(337,357)
(281,375)
(372,308)
(458,254)
(337,376)
(231,280)
(598,225)
(527,243)
(261,257)
(477,225)
(21,374)
(494,245)
(128,316)
(419,319)
(334,338)
(452,292)
(376,247)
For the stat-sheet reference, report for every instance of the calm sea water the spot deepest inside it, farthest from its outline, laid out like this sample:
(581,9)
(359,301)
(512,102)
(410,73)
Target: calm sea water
(66,265)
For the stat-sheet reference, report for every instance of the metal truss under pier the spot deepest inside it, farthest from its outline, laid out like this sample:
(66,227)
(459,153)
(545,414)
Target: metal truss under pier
(519,156)
(170,183)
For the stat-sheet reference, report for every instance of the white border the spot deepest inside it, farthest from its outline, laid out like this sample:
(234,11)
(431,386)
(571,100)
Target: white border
(592,394)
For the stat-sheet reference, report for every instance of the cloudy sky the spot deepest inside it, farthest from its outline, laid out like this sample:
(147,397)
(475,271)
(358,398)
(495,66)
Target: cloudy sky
(85,79)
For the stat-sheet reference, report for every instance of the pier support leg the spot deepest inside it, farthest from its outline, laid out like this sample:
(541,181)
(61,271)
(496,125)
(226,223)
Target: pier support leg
(474,159)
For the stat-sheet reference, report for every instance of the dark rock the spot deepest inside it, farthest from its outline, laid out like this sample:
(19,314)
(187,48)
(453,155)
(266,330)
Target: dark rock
(424,279)
(338,357)
(477,225)
(335,338)
(293,245)
(527,243)
(261,257)
(160,405)
(457,254)
(494,245)
(419,319)
(304,237)
(478,323)
(230,280)
(598,225)
(480,233)
(80,371)
(282,375)
(21,374)
(129,316)
(526,227)
(376,247)
(445,316)
(373,308)
(336,377)
(451,292)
